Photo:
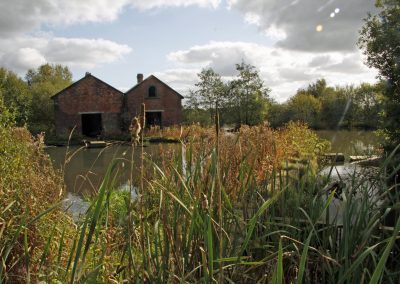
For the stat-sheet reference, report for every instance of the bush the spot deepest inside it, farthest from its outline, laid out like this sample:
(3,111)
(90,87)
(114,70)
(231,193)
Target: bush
(28,187)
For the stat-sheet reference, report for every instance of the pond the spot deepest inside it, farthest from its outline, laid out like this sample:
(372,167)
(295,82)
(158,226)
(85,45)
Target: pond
(84,168)
(351,142)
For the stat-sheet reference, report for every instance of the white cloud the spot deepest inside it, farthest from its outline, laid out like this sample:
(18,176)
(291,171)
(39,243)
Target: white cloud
(283,70)
(23,45)
(23,59)
(21,16)
(84,52)
(180,79)
(75,52)
(151,4)
(295,21)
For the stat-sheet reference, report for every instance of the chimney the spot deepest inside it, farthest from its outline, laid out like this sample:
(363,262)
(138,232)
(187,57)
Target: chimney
(87,74)
(139,77)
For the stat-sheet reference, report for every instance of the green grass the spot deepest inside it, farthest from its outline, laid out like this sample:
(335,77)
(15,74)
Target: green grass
(212,211)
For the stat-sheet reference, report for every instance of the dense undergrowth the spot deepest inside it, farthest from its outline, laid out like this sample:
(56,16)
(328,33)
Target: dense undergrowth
(29,190)
(242,208)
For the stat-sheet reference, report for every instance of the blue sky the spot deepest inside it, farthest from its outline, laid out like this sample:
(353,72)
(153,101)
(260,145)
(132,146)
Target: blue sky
(291,42)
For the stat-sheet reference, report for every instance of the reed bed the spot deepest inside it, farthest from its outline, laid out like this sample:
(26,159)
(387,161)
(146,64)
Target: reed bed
(221,208)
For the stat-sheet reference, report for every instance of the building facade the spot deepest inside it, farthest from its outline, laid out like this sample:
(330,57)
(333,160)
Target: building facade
(163,104)
(95,109)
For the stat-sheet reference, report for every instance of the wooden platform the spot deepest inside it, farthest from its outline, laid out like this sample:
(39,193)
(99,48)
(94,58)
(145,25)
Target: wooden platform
(362,158)
(335,157)
(95,144)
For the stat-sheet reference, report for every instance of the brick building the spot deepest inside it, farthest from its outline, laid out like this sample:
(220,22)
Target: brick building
(95,108)
(163,104)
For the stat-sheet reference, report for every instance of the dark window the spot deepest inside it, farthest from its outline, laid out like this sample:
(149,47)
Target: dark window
(152,92)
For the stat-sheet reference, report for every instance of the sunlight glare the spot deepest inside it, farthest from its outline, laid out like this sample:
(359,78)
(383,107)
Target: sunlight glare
(319,28)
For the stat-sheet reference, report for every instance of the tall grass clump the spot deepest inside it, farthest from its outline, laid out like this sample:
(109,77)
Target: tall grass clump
(248,207)
(29,192)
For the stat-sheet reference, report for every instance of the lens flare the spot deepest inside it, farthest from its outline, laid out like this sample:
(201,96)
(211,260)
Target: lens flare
(319,28)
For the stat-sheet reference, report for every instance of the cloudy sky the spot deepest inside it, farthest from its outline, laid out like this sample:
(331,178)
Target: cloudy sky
(291,42)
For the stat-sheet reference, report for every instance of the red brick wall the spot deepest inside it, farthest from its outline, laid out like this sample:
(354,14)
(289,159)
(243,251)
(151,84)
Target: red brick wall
(167,101)
(85,96)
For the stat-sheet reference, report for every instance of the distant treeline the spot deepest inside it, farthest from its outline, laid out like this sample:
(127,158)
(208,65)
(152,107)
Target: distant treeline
(29,99)
(245,100)
(323,106)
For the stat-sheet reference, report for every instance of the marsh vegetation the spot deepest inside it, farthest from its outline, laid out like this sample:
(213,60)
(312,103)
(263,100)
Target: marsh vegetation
(242,208)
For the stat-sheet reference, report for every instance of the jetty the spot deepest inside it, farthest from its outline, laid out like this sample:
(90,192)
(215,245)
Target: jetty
(95,144)
(335,157)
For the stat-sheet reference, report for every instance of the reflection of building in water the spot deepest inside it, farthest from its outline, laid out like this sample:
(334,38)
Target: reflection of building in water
(85,171)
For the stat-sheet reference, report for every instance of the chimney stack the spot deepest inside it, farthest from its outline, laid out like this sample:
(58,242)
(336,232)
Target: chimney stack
(139,78)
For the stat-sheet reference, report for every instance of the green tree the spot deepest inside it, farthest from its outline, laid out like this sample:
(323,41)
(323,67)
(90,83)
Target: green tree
(335,106)
(278,114)
(380,41)
(248,97)
(196,115)
(209,93)
(368,100)
(317,89)
(43,83)
(15,95)
(345,98)
(305,108)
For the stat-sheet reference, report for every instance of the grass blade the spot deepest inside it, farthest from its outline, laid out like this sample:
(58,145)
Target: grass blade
(279,269)
(381,264)
(303,260)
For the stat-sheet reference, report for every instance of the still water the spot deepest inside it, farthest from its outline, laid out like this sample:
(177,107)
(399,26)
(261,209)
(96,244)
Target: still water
(351,142)
(85,168)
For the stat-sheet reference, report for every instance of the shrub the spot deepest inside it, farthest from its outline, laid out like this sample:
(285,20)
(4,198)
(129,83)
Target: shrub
(28,187)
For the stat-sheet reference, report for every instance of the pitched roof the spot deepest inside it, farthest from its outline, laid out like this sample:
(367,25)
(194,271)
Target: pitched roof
(151,77)
(85,77)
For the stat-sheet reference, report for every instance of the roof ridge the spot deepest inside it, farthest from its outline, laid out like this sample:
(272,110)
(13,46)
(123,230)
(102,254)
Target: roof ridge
(148,77)
(84,77)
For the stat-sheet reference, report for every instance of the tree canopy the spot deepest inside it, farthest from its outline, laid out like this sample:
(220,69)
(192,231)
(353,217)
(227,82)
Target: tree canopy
(244,99)
(323,106)
(380,41)
(43,83)
(30,98)
(15,95)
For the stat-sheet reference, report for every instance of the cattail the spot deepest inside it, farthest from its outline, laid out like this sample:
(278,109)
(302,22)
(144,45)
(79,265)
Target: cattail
(204,202)
(143,115)
(135,129)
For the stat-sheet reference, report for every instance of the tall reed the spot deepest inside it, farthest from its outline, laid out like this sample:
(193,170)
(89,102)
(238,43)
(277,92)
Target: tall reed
(235,209)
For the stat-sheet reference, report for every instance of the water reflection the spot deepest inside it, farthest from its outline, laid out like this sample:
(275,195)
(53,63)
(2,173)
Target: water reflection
(75,205)
(351,177)
(84,169)
(352,142)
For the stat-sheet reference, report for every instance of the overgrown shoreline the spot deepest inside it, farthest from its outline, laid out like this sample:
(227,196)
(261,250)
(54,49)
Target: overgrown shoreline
(219,209)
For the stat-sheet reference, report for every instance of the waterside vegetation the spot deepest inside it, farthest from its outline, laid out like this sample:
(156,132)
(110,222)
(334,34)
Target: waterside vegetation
(245,208)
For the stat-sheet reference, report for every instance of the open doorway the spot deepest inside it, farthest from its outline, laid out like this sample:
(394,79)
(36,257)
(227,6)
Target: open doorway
(153,118)
(91,124)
